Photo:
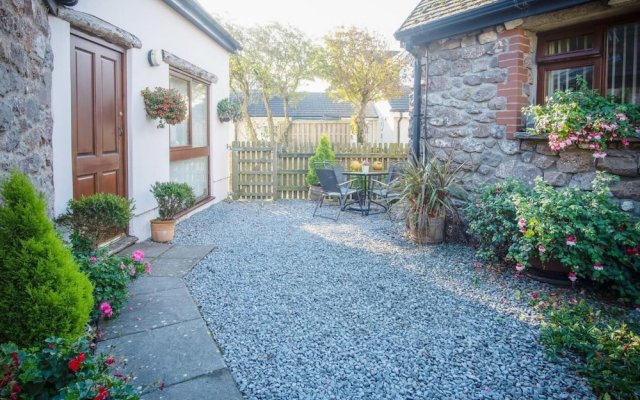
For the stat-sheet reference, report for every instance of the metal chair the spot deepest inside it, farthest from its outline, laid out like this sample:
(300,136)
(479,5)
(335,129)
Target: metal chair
(331,187)
(385,190)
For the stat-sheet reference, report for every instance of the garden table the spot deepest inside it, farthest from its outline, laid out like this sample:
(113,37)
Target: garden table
(364,205)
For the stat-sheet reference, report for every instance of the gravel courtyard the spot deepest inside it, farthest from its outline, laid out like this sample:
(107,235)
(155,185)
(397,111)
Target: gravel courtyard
(307,308)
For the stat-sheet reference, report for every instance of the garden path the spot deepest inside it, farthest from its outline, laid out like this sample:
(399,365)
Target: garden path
(307,308)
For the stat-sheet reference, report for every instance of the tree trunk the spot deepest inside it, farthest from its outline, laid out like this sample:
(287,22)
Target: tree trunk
(253,136)
(361,122)
(287,121)
(270,127)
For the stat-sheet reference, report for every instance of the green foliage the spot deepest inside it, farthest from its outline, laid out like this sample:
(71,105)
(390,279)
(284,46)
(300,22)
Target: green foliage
(492,219)
(606,239)
(427,190)
(608,348)
(584,117)
(48,373)
(96,218)
(166,105)
(229,110)
(325,154)
(358,66)
(42,292)
(172,197)
(110,277)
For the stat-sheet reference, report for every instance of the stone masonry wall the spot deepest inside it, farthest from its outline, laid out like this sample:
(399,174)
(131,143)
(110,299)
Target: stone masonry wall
(25,93)
(476,86)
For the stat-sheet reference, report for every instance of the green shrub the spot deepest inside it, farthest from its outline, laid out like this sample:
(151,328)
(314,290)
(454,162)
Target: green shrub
(492,219)
(172,197)
(324,153)
(61,371)
(229,110)
(609,348)
(96,218)
(583,230)
(43,294)
(110,277)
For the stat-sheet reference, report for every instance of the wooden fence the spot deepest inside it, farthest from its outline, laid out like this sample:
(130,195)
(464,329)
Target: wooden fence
(269,171)
(338,132)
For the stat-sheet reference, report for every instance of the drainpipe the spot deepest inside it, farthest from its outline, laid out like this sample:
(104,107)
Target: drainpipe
(417,101)
(398,127)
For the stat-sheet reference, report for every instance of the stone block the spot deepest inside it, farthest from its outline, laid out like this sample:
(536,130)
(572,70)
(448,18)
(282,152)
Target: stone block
(472,80)
(497,103)
(543,162)
(460,67)
(487,37)
(441,142)
(582,180)
(484,93)
(472,52)
(494,76)
(499,46)
(471,145)
(438,67)
(490,143)
(527,156)
(556,178)
(438,83)
(627,189)
(543,148)
(461,94)
(526,145)
(452,44)
(519,170)
(474,109)
(498,131)
(513,24)
(485,116)
(449,116)
(509,147)
(457,132)
(479,130)
(575,161)
(485,170)
(623,163)
(469,40)
(491,158)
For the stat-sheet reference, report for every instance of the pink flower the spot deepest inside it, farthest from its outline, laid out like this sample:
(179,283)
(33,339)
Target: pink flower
(522,222)
(572,276)
(571,241)
(93,259)
(625,142)
(137,255)
(541,249)
(598,267)
(122,266)
(132,271)
(599,154)
(523,229)
(534,296)
(148,269)
(110,360)
(519,267)
(542,304)
(105,309)
(621,117)
(573,300)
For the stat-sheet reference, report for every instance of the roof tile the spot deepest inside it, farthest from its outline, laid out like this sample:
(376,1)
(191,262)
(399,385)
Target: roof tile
(428,11)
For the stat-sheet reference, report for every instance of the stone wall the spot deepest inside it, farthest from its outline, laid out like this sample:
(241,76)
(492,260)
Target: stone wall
(25,93)
(476,86)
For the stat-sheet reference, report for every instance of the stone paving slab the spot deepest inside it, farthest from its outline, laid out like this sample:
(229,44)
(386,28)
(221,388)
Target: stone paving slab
(151,249)
(188,252)
(218,385)
(154,284)
(153,310)
(168,355)
(172,267)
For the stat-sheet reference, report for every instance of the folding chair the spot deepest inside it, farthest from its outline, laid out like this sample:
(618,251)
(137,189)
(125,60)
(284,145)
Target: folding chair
(385,190)
(332,188)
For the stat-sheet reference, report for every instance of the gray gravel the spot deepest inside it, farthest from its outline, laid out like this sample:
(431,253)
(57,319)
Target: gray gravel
(306,308)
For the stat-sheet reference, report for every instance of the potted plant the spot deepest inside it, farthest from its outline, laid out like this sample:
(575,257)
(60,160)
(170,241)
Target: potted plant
(229,110)
(365,166)
(166,105)
(172,197)
(582,232)
(585,118)
(323,156)
(426,192)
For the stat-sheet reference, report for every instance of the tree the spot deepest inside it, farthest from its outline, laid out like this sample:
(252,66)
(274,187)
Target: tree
(360,69)
(242,80)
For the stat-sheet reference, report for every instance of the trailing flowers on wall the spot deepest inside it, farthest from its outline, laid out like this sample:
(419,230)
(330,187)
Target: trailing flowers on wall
(585,118)
(166,105)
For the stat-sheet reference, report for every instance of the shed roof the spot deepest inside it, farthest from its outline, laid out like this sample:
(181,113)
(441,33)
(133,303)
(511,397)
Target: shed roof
(311,105)
(400,104)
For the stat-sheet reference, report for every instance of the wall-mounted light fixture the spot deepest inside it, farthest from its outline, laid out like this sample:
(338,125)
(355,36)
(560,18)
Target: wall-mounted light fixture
(155,57)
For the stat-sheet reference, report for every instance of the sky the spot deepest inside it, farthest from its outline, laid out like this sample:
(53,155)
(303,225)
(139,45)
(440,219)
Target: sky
(316,18)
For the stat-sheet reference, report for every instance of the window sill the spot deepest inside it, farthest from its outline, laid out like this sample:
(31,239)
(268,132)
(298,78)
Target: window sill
(197,207)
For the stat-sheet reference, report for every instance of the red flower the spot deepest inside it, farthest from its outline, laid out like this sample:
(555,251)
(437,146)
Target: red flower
(74,365)
(16,388)
(534,296)
(102,394)
(632,251)
(80,357)
(110,360)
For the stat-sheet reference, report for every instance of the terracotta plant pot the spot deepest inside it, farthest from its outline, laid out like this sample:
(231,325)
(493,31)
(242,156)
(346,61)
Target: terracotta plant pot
(315,192)
(433,232)
(552,271)
(162,231)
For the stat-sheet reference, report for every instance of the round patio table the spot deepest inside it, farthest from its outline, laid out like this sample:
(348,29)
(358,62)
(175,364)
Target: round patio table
(364,205)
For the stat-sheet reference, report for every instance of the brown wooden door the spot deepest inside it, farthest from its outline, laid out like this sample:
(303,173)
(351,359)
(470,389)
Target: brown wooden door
(97,118)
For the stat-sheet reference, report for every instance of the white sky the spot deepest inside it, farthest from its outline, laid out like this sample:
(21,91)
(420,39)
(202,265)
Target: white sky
(317,17)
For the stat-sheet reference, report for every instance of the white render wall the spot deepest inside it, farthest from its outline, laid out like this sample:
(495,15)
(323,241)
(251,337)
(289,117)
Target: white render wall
(158,27)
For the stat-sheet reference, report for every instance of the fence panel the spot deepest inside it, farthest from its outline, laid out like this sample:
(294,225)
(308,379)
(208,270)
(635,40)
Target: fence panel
(266,171)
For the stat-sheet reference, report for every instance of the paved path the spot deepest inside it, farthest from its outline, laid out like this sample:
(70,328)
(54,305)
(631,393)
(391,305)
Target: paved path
(161,333)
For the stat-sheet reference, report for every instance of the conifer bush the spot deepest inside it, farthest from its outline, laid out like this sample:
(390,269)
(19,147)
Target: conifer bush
(42,292)
(324,153)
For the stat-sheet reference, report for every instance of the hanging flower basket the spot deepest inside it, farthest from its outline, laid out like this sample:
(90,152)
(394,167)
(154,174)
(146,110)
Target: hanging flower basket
(229,110)
(166,105)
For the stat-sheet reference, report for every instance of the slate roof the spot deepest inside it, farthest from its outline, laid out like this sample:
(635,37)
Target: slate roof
(400,104)
(432,10)
(310,106)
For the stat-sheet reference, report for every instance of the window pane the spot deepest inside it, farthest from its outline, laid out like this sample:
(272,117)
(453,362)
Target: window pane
(623,63)
(199,114)
(179,133)
(563,79)
(576,43)
(193,172)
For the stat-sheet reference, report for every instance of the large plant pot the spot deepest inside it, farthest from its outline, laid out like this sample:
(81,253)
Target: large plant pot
(315,192)
(552,271)
(432,233)
(162,231)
